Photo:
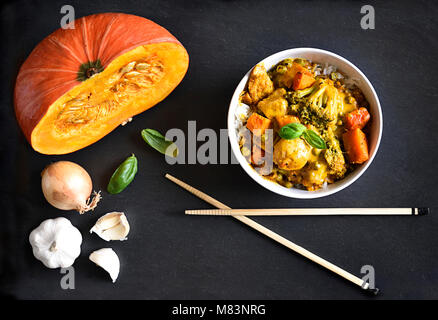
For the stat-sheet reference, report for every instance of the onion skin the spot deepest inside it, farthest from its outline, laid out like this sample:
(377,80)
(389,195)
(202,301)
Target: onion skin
(67,186)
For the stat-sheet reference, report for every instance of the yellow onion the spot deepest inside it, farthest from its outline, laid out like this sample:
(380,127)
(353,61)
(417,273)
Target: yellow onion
(67,186)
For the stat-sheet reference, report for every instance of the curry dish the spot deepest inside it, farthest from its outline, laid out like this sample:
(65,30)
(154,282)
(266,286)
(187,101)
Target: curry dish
(314,120)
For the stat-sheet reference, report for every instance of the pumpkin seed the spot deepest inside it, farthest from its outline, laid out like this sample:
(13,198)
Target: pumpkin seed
(132,87)
(156,70)
(76,102)
(73,108)
(76,121)
(132,74)
(145,82)
(128,67)
(142,66)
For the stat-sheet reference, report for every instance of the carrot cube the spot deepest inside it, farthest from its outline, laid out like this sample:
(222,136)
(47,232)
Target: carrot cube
(356,145)
(357,119)
(290,74)
(284,120)
(257,124)
(303,81)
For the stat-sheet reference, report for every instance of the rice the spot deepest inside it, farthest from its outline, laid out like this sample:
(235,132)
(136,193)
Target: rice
(327,69)
(241,115)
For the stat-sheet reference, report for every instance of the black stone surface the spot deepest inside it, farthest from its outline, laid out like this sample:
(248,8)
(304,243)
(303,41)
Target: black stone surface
(170,255)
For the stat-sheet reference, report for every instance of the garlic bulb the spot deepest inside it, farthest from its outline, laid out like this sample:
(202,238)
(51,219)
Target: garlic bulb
(112,226)
(108,260)
(56,243)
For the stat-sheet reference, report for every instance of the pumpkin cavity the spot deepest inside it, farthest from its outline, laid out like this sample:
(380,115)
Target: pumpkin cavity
(120,89)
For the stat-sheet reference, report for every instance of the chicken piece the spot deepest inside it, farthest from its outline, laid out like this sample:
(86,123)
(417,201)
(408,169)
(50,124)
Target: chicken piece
(275,105)
(246,98)
(291,154)
(259,85)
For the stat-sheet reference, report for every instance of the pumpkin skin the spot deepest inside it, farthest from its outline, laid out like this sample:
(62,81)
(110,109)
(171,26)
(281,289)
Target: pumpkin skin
(78,85)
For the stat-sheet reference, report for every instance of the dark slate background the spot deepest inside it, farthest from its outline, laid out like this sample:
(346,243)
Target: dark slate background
(171,256)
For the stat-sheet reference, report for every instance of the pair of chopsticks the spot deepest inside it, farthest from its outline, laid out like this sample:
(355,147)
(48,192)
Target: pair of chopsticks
(240,214)
(312,212)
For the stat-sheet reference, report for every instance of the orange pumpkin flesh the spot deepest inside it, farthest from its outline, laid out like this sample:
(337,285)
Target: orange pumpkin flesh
(79,84)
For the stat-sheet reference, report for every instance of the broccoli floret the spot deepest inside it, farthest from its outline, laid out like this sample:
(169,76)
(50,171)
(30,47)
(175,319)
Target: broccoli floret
(325,101)
(333,154)
(304,92)
(307,116)
(317,105)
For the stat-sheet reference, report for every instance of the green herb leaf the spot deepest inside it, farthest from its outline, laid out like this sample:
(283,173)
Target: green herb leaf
(291,131)
(314,139)
(123,175)
(157,141)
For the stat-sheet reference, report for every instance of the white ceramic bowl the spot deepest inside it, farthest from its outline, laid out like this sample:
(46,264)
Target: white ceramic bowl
(345,67)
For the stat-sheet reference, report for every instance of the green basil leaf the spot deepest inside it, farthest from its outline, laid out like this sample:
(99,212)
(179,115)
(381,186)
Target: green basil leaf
(314,139)
(123,175)
(157,141)
(291,131)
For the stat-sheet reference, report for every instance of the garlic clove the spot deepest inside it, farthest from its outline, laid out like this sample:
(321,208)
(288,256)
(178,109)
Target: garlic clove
(112,226)
(108,260)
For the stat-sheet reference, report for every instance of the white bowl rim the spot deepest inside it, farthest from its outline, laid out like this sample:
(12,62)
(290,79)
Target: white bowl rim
(294,192)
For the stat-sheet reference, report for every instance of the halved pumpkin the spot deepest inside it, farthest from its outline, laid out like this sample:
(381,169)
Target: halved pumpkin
(79,84)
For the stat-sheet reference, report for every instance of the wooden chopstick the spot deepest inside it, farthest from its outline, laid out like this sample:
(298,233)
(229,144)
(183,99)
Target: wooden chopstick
(276,237)
(310,212)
